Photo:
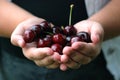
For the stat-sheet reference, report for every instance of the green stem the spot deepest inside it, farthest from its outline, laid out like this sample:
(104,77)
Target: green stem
(49,33)
(70,16)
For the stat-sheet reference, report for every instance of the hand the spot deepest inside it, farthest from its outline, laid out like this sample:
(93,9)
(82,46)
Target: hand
(80,53)
(41,56)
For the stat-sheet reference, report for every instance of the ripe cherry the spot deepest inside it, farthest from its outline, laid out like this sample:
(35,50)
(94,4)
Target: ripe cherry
(37,30)
(81,36)
(84,36)
(69,30)
(56,30)
(45,26)
(45,42)
(57,48)
(59,38)
(29,35)
(55,37)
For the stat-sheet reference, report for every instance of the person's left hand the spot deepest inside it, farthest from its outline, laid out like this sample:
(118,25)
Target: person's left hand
(80,53)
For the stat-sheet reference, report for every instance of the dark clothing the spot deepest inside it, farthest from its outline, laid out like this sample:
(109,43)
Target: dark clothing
(14,66)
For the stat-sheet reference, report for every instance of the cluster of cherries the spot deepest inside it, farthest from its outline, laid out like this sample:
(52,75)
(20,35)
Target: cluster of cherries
(54,37)
(46,35)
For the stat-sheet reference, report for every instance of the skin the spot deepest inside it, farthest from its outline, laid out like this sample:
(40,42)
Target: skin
(80,53)
(73,57)
(41,56)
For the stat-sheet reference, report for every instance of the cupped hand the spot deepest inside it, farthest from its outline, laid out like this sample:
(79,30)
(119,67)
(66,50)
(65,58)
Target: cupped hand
(41,56)
(80,53)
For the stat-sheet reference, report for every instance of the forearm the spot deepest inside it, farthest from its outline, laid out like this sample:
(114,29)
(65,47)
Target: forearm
(10,16)
(109,18)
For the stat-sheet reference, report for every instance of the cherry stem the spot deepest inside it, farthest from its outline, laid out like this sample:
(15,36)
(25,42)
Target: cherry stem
(49,33)
(70,16)
(62,27)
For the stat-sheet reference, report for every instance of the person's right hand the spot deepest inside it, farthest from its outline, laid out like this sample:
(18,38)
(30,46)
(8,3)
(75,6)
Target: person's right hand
(41,56)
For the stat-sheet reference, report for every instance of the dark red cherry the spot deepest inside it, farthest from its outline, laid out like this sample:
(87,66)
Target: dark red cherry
(84,36)
(69,30)
(41,43)
(48,39)
(56,30)
(45,42)
(45,26)
(37,30)
(57,48)
(59,38)
(29,35)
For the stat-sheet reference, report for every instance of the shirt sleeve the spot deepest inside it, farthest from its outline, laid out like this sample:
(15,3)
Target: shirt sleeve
(93,6)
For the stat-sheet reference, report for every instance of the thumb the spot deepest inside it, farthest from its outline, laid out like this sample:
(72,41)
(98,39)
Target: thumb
(97,33)
(17,40)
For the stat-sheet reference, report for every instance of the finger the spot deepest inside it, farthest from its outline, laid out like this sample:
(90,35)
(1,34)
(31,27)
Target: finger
(53,66)
(57,57)
(45,61)
(34,53)
(73,65)
(97,33)
(17,40)
(16,37)
(76,56)
(63,67)
(87,49)
(80,47)
(67,50)
(80,58)
(64,58)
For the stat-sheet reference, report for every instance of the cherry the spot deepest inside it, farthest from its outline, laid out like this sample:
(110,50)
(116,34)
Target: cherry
(45,26)
(69,30)
(37,30)
(59,38)
(29,35)
(56,30)
(57,48)
(42,43)
(81,36)
(84,36)
(55,37)
(45,42)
